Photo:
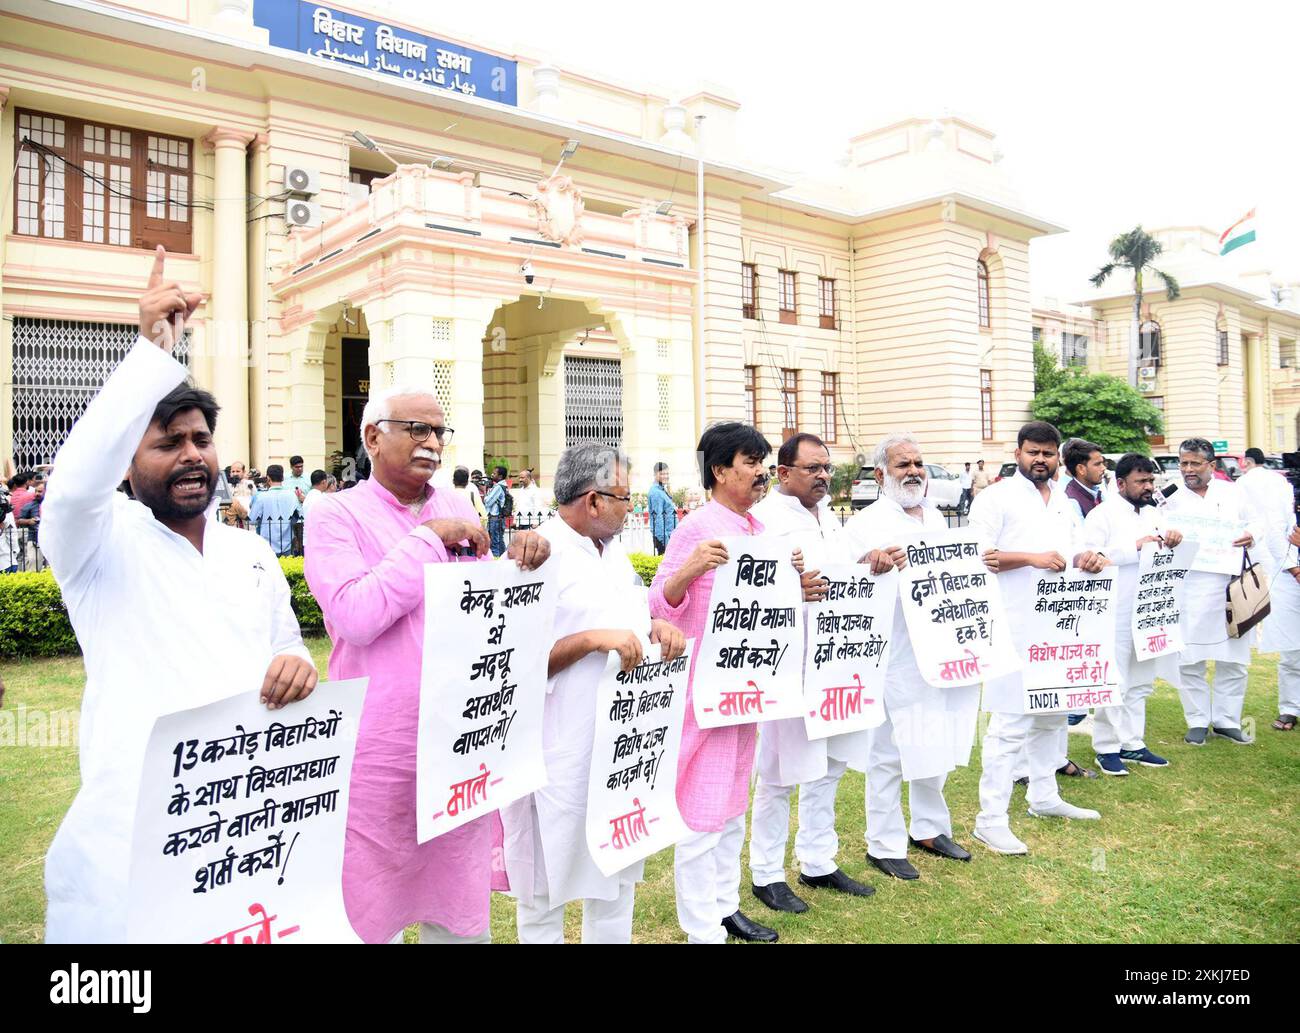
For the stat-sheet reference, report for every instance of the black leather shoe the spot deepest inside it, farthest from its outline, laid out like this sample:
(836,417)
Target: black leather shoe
(780,897)
(743,928)
(898,867)
(838,881)
(943,846)
(1023,780)
(1073,770)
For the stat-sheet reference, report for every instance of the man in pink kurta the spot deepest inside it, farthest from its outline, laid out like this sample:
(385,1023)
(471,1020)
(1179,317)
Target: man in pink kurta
(369,545)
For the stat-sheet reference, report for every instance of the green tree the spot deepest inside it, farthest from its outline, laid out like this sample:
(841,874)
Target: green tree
(1135,250)
(1101,408)
(1047,374)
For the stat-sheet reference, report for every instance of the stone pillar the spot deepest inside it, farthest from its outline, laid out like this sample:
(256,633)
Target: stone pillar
(6,325)
(258,303)
(228,306)
(1257,402)
(305,427)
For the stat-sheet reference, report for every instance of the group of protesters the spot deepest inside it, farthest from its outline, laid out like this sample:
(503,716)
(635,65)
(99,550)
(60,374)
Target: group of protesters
(154,569)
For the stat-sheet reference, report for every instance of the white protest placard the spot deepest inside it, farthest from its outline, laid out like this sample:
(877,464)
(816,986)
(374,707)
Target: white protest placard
(848,650)
(241,819)
(1070,662)
(487,637)
(632,793)
(954,612)
(1214,535)
(1158,605)
(750,665)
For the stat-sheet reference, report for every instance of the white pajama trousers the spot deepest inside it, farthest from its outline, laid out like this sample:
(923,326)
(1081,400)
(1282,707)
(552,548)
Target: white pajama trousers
(603,921)
(706,868)
(1288,682)
(1219,707)
(1039,734)
(815,843)
(1122,727)
(886,832)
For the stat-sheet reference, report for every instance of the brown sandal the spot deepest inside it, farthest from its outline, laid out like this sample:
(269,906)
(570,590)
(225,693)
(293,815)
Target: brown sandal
(1285,722)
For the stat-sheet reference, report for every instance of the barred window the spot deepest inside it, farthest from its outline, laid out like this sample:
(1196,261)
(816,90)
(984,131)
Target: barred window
(1223,347)
(986,404)
(786,297)
(830,414)
(826,302)
(751,395)
(748,290)
(789,403)
(982,284)
(1149,344)
(593,401)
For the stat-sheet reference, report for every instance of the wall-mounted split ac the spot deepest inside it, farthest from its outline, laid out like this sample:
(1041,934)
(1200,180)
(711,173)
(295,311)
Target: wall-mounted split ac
(302,182)
(298,212)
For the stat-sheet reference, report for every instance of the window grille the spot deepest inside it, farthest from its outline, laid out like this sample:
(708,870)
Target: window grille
(593,401)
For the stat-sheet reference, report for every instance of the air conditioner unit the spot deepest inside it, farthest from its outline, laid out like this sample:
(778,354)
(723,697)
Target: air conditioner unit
(303,182)
(1146,386)
(301,213)
(1147,372)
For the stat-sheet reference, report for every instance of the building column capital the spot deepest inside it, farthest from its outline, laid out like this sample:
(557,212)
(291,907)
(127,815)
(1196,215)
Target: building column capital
(261,142)
(4,97)
(225,136)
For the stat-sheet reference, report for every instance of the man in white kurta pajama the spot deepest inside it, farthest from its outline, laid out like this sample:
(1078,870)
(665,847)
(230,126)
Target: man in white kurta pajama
(601,606)
(172,609)
(1032,528)
(927,731)
(1206,630)
(799,511)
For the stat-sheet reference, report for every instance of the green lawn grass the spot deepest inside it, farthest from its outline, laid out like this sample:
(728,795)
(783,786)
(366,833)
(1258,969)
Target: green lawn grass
(1202,851)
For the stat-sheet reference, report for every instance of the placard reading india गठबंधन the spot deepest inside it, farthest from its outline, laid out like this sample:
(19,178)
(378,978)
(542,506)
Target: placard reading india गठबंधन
(954,611)
(1158,607)
(848,650)
(487,637)
(632,792)
(1070,629)
(240,823)
(750,665)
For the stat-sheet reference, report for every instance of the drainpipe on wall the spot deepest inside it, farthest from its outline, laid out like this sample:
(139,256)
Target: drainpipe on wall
(699,286)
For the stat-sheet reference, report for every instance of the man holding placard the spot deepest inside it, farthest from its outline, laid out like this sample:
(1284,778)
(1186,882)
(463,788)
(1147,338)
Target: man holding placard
(156,590)
(600,608)
(1119,528)
(370,545)
(928,731)
(1031,526)
(1218,516)
(799,510)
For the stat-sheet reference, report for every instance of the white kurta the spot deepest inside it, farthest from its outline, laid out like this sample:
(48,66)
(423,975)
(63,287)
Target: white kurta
(593,590)
(933,728)
(162,628)
(1011,516)
(1205,623)
(1269,494)
(786,756)
(1281,632)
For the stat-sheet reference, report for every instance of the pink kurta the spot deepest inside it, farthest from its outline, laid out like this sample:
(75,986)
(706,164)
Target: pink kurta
(714,765)
(365,565)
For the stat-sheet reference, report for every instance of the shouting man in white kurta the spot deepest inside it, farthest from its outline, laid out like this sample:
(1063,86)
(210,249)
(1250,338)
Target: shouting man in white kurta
(601,607)
(799,510)
(928,731)
(172,608)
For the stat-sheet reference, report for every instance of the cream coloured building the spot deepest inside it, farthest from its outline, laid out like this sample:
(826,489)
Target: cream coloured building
(364,202)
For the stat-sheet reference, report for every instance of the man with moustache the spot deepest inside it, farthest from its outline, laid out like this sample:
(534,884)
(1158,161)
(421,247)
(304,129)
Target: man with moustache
(927,731)
(1028,521)
(156,590)
(1118,528)
(369,547)
(799,510)
(1216,712)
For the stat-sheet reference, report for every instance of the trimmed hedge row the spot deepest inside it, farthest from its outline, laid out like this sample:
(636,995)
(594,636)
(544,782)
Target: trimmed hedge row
(34,622)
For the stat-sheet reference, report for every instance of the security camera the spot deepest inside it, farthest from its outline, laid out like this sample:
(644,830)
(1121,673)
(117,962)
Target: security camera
(527,270)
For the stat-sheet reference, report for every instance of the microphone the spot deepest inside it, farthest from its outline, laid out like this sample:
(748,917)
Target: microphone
(1161,498)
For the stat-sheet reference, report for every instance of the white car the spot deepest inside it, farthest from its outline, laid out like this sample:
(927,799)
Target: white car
(943,488)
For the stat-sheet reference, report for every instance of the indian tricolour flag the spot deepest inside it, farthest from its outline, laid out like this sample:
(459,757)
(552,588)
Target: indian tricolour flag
(1240,232)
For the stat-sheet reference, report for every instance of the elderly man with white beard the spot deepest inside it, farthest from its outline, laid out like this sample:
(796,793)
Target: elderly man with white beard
(799,510)
(927,731)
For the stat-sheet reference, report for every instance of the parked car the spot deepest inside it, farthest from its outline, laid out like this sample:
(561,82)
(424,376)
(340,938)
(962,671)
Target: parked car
(1227,467)
(1007,470)
(944,488)
(865,490)
(1168,471)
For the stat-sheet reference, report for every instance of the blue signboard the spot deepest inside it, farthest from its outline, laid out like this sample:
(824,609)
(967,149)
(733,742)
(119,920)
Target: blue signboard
(363,43)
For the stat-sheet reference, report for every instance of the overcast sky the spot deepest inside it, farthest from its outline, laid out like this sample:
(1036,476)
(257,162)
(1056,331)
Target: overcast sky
(1108,114)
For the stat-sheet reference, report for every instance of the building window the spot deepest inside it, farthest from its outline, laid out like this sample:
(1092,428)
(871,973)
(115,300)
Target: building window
(665,403)
(982,283)
(748,290)
(101,184)
(1157,438)
(1074,349)
(826,302)
(830,414)
(593,401)
(1286,353)
(789,403)
(786,282)
(751,395)
(1149,344)
(1036,334)
(986,404)
(1223,347)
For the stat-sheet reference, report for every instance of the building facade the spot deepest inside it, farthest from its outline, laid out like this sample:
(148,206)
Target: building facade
(363,202)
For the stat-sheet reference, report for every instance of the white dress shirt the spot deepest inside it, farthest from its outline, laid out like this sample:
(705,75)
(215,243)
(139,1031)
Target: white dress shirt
(162,628)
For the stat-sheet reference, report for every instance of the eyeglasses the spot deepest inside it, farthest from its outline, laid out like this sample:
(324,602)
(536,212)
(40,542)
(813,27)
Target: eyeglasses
(816,468)
(625,499)
(421,431)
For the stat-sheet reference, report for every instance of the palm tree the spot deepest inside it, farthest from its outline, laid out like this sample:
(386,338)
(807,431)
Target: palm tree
(1135,250)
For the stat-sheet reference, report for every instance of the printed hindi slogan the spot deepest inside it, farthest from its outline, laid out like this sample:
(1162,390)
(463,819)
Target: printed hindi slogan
(750,662)
(1158,606)
(1070,663)
(487,634)
(1214,535)
(632,794)
(848,650)
(954,612)
(240,823)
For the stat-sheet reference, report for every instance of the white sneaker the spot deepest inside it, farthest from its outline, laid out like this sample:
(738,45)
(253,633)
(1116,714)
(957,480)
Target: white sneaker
(1065,810)
(1000,841)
